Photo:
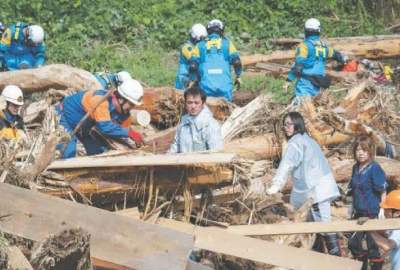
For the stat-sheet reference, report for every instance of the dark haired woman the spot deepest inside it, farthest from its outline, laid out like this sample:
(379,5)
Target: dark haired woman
(312,177)
(368,188)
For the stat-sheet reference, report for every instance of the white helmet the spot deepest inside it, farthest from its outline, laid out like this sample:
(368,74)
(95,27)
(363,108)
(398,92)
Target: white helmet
(312,25)
(36,34)
(123,76)
(217,24)
(131,90)
(13,94)
(198,31)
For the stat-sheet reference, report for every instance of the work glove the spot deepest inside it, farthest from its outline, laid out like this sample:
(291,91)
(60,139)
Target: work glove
(272,190)
(238,82)
(136,136)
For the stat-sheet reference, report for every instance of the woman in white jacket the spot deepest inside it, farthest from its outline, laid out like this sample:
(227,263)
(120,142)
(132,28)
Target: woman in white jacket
(312,177)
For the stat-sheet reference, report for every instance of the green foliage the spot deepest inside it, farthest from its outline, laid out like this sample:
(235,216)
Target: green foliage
(274,86)
(138,35)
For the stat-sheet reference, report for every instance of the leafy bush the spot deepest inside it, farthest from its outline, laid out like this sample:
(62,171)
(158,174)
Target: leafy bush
(138,35)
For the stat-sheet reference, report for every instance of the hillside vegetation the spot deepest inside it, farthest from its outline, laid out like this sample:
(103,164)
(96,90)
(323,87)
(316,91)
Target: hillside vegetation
(144,36)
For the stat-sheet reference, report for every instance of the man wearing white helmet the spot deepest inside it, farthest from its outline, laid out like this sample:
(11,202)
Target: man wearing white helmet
(11,124)
(22,47)
(110,116)
(311,57)
(110,80)
(212,60)
(197,32)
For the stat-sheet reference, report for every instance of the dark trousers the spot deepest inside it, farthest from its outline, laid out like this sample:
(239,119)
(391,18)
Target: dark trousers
(357,249)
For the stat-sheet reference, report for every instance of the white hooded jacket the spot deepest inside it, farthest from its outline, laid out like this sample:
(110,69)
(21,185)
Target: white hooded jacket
(311,173)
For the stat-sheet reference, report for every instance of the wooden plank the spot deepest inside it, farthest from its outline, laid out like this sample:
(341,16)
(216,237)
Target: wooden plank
(143,161)
(269,252)
(222,241)
(315,227)
(17,260)
(116,239)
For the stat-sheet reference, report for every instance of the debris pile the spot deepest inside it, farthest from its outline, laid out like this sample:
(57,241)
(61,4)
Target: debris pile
(216,190)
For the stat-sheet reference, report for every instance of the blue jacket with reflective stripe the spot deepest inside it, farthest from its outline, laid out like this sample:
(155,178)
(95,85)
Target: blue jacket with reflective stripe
(312,54)
(215,57)
(16,52)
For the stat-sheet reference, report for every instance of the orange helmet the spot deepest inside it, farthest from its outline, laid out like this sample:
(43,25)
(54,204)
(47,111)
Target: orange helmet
(392,200)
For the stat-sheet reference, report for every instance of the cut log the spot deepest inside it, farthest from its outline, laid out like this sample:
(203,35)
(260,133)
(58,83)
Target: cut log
(126,242)
(57,76)
(372,49)
(315,227)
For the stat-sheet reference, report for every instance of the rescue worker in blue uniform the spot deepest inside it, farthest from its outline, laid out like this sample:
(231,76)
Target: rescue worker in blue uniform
(212,60)
(112,80)
(310,61)
(22,47)
(111,117)
(11,123)
(197,33)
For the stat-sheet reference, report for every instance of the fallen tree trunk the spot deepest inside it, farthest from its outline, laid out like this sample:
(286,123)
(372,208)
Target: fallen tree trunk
(372,49)
(336,40)
(57,76)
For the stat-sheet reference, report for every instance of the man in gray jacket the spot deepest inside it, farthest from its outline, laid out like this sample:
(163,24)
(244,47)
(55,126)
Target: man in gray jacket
(198,130)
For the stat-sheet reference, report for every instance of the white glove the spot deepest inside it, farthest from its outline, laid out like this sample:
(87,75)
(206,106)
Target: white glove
(272,190)
(381,214)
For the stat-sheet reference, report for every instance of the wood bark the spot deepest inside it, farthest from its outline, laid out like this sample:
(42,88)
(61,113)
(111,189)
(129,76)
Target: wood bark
(57,76)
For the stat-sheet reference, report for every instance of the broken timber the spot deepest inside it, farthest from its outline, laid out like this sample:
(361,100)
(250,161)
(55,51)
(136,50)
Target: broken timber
(143,161)
(115,239)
